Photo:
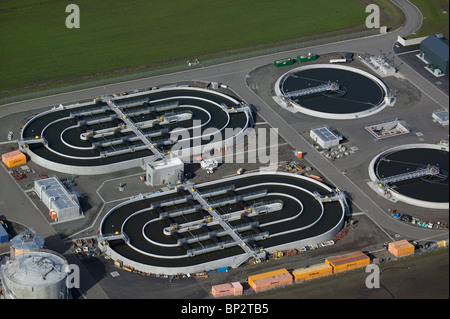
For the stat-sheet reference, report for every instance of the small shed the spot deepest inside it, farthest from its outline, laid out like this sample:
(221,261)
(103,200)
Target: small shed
(62,205)
(441,117)
(164,172)
(325,137)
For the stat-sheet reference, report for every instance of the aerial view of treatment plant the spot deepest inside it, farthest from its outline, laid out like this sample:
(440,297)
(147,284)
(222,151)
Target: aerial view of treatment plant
(244,155)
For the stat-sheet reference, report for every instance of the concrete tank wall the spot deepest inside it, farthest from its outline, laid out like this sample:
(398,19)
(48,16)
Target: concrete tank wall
(36,275)
(333,116)
(395,194)
(229,261)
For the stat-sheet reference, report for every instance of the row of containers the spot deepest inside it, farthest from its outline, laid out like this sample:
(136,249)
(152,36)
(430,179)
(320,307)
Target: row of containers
(331,265)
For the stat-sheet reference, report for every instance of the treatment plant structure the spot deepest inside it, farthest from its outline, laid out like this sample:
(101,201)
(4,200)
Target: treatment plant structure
(168,224)
(189,227)
(331,91)
(222,223)
(113,133)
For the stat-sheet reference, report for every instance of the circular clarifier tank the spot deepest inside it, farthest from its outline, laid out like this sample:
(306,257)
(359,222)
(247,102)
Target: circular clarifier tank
(332,91)
(415,173)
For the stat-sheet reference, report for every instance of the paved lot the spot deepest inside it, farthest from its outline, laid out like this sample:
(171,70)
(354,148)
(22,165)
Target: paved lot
(412,108)
(409,54)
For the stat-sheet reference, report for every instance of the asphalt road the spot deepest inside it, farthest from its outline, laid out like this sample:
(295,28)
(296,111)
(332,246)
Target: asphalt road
(233,74)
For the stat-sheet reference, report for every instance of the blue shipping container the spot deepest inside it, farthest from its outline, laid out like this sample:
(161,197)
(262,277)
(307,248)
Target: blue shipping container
(4,236)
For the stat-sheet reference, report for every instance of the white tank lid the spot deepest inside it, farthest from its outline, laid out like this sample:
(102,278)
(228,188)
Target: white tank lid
(39,268)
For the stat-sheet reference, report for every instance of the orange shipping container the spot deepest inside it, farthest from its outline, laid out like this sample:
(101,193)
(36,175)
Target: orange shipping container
(348,261)
(14,158)
(312,272)
(238,289)
(401,248)
(269,280)
(229,289)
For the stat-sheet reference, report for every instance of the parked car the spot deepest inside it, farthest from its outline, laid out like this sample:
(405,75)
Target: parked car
(10,136)
(406,218)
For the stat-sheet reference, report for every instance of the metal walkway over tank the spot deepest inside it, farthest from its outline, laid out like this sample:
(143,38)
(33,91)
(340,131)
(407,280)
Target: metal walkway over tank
(136,130)
(236,238)
(422,172)
(330,86)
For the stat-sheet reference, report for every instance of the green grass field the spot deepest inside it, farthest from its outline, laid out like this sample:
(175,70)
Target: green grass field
(435,17)
(119,37)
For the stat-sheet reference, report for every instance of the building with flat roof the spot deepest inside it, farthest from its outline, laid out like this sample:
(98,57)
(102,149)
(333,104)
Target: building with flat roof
(62,205)
(165,171)
(434,50)
(325,137)
(441,116)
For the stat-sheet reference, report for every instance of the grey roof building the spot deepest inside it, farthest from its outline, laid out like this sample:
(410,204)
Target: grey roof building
(325,137)
(62,205)
(434,50)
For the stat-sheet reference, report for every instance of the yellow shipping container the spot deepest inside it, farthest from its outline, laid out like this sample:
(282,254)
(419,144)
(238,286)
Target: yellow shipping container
(441,243)
(312,272)
(14,158)
(279,277)
(348,261)
(278,272)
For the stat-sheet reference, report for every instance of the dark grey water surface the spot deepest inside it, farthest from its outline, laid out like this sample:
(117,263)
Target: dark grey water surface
(362,93)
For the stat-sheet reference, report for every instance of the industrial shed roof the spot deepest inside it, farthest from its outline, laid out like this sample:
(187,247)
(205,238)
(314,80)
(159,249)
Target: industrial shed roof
(325,134)
(437,44)
(54,188)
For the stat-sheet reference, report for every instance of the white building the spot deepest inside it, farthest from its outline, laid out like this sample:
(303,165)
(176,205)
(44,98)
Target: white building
(61,204)
(325,137)
(165,171)
(383,65)
(441,116)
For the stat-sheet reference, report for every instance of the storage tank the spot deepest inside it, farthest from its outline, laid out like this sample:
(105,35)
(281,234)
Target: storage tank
(27,241)
(35,275)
